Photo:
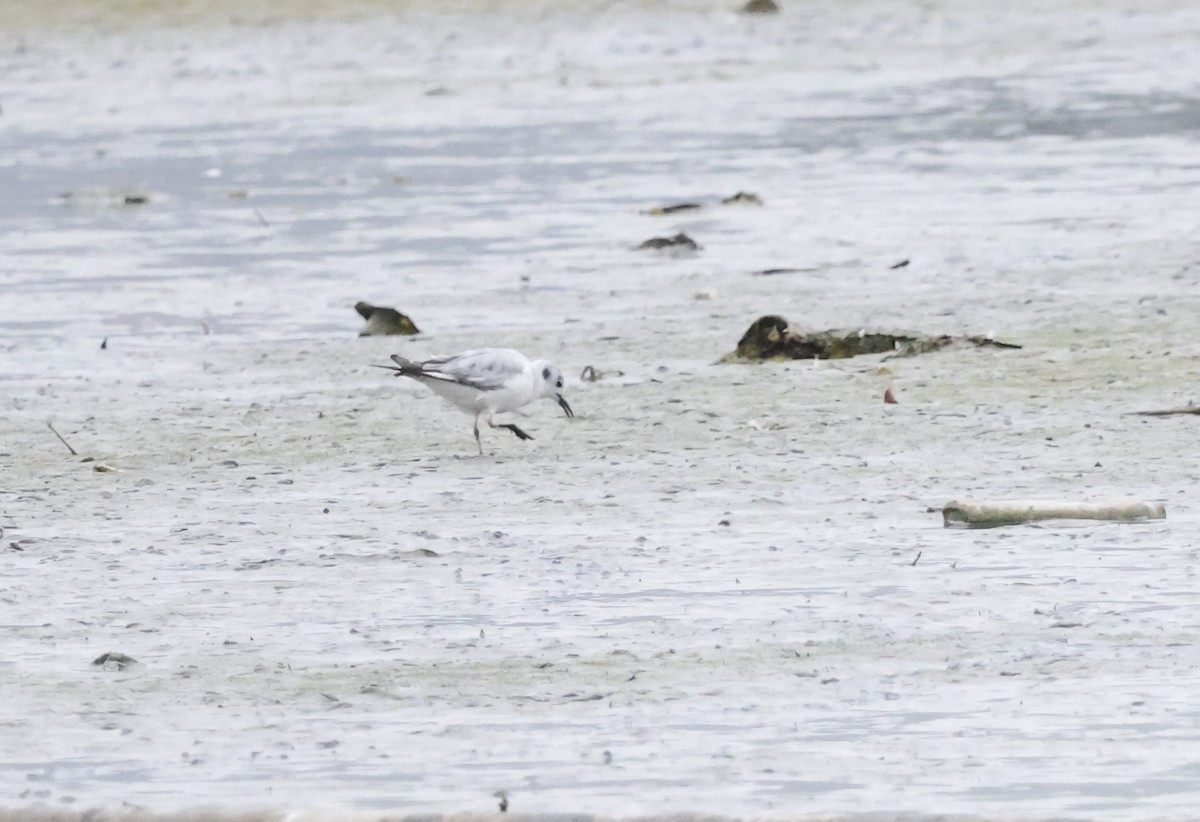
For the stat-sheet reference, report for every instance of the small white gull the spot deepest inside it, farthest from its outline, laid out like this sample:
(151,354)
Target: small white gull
(484,382)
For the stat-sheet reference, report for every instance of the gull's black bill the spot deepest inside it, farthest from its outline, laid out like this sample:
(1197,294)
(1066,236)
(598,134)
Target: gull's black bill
(565,407)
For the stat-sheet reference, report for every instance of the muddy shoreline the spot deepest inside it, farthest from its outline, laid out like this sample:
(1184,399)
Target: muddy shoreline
(721,589)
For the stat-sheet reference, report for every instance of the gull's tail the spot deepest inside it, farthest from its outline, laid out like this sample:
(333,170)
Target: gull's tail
(403,367)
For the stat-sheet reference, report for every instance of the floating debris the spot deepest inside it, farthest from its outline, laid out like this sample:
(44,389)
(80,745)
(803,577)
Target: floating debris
(96,198)
(995,513)
(901,264)
(761,7)
(61,438)
(743,197)
(101,468)
(772,272)
(1168,412)
(383,321)
(114,661)
(680,242)
(770,338)
(672,209)
(593,374)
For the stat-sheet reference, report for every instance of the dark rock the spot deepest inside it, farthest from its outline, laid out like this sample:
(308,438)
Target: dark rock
(761,7)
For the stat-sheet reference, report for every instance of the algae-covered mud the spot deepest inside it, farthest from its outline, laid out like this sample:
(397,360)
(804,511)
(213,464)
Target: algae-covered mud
(720,589)
(772,338)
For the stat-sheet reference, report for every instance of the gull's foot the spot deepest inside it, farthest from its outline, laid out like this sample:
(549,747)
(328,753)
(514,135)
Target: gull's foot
(520,434)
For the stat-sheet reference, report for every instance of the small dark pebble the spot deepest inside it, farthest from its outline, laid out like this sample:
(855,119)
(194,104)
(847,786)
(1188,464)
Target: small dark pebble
(761,7)
(104,345)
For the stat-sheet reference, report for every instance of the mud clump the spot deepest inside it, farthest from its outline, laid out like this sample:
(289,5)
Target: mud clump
(743,197)
(383,321)
(761,7)
(680,242)
(770,338)
(114,661)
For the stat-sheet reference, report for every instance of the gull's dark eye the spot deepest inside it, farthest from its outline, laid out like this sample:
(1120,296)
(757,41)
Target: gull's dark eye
(545,373)
(558,384)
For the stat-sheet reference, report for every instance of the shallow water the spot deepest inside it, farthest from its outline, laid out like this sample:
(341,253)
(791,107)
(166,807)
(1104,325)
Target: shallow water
(720,589)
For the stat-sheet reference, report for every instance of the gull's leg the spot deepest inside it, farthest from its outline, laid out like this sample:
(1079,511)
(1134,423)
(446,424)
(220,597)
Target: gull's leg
(477,440)
(521,435)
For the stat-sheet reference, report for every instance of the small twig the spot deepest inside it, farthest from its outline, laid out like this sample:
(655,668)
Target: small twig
(262,221)
(914,562)
(1191,409)
(74,453)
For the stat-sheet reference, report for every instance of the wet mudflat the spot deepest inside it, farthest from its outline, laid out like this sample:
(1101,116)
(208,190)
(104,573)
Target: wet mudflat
(720,588)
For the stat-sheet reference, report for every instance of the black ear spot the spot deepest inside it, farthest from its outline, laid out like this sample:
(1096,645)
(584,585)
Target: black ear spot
(545,373)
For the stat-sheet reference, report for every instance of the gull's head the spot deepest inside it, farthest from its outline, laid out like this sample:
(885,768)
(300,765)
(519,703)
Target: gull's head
(552,384)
